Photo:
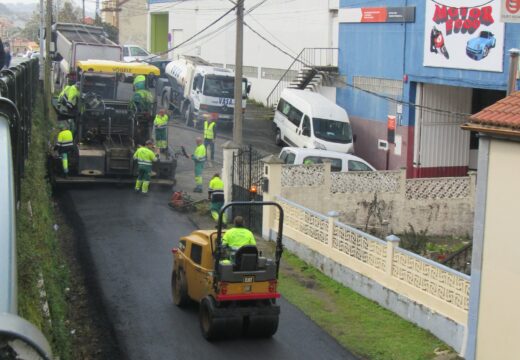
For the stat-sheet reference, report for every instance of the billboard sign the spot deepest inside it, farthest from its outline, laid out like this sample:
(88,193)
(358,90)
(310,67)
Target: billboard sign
(377,14)
(464,34)
(510,11)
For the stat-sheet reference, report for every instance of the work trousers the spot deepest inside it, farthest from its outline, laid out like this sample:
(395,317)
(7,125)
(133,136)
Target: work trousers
(143,178)
(161,137)
(211,144)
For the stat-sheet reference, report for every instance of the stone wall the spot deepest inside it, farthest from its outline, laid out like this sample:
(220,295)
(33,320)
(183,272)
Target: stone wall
(384,200)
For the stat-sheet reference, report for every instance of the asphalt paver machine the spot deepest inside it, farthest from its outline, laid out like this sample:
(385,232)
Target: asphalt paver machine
(107,127)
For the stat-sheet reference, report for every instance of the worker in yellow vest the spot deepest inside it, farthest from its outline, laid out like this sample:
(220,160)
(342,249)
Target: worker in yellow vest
(161,130)
(216,197)
(145,157)
(239,235)
(69,95)
(65,145)
(209,133)
(199,158)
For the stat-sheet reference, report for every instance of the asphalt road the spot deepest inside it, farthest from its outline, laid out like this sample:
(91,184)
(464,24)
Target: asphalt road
(129,239)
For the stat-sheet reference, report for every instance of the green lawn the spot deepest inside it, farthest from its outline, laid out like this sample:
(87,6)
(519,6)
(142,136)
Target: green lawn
(359,324)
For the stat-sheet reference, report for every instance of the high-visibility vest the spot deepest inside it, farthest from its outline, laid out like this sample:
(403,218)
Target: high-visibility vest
(65,138)
(144,156)
(200,153)
(208,130)
(238,237)
(216,184)
(160,120)
(71,93)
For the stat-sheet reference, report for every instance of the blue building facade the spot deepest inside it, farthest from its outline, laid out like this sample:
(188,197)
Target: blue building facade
(384,67)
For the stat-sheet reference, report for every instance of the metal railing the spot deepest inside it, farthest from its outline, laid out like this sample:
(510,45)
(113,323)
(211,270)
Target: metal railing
(18,87)
(307,58)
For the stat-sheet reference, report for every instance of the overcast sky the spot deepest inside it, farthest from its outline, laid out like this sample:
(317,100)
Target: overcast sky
(90,5)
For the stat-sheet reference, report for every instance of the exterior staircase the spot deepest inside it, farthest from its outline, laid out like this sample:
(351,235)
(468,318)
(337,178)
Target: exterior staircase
(311,69)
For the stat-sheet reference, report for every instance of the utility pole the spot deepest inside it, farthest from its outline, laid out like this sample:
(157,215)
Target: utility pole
(83,18)
(47,64)
(42,26)
(513,70)
(237,123)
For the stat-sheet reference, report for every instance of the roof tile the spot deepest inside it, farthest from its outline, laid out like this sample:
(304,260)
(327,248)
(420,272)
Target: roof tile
(503,114)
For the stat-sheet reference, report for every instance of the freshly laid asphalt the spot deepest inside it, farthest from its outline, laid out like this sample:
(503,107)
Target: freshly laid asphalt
(129,238)
(126,239)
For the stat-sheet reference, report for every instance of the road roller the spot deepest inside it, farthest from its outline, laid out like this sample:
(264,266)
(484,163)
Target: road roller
(236,290)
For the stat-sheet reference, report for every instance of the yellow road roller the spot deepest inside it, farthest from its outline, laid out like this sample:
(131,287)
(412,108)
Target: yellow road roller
(236,291)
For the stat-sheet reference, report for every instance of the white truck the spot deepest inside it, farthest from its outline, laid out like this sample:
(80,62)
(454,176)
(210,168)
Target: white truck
(75,42)
(195,87)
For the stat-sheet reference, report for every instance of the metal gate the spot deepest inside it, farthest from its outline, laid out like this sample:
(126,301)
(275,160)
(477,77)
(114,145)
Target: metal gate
(248,172)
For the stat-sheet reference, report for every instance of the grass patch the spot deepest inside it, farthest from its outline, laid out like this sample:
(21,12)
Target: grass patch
(38,250)
(359,324)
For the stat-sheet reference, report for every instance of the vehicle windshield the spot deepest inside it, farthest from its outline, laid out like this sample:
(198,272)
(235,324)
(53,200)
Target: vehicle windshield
(103,85)
(219,86)
(331,130)
(485,34)
(136,51)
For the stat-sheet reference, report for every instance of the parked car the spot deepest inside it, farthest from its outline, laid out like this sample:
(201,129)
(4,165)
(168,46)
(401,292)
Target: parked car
(135,53)
(479,47)
(309,120)
(340,162)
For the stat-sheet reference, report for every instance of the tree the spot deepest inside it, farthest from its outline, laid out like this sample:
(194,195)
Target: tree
(111,31)
(31,29)
(69,13)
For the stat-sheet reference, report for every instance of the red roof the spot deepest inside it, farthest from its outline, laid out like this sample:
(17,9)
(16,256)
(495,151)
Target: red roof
(503,117)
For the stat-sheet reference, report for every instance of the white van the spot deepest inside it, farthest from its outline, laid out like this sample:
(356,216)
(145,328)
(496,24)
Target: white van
(307,119)
(340,162)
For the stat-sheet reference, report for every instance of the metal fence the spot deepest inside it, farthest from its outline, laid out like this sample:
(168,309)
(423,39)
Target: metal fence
(18,87)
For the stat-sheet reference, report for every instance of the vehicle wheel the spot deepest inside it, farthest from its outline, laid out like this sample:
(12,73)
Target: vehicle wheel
(486,51)
(208,324)
(188,116)
(278,138)
(179,288)
(261,326)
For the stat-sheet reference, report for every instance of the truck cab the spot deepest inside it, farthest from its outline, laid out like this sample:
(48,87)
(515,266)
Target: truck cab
(194,87)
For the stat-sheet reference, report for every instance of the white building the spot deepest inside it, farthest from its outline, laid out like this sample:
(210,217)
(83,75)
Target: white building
(290,24)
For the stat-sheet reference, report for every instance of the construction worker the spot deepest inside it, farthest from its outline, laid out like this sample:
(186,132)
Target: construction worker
(216,197)
(199,158)
(239,235)
(161,131)
(209,133)
(145,156)
(139,82)
(64,145)
(69,95)
(142,99)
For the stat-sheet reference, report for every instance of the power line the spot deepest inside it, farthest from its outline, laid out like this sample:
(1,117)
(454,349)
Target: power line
(208,26)
(385,97)
(193,36)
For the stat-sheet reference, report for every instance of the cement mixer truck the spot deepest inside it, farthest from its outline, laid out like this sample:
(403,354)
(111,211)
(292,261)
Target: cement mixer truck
(194,87)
